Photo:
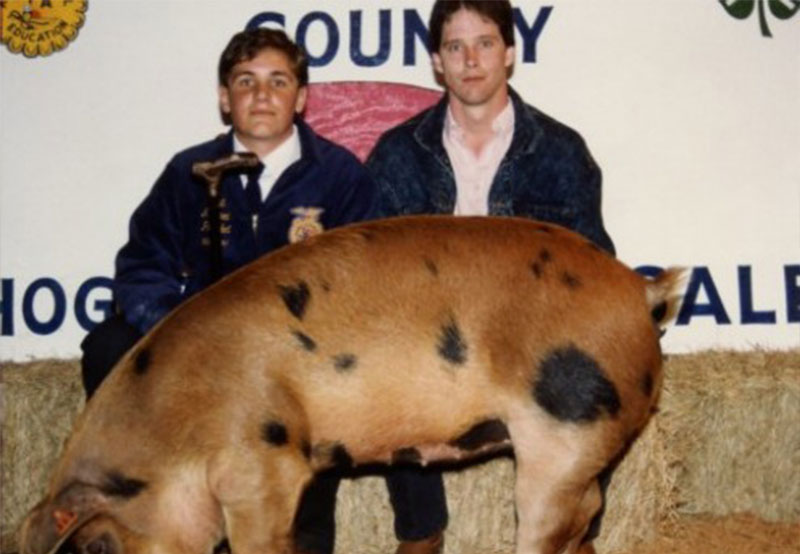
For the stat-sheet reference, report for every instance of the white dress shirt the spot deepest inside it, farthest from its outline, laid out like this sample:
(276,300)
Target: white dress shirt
(275,163)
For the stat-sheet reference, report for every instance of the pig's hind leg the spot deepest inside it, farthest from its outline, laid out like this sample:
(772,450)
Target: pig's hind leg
(556,489)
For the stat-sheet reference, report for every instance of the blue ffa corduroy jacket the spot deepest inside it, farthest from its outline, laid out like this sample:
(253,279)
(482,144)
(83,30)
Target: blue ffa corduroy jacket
(167,256)
(547,173)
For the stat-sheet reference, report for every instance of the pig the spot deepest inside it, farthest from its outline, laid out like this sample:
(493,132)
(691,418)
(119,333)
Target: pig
(407,340)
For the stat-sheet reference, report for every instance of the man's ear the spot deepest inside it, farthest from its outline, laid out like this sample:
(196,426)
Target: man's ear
(510,54)
(302,98)
(437,63)
(224,100)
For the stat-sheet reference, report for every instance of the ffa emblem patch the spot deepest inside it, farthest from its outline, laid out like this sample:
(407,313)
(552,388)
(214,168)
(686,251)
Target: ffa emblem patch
(41,27)
(305,223)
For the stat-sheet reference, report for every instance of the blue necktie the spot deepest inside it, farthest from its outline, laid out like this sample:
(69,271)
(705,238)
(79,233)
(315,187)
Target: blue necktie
(252,192)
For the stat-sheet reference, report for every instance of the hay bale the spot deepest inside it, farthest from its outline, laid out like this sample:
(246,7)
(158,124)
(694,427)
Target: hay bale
(733,534)
(726,440)
(734,420)
(40,401)
(480,499)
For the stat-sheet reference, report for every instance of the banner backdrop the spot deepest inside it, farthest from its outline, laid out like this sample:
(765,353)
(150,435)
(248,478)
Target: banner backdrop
(691,108)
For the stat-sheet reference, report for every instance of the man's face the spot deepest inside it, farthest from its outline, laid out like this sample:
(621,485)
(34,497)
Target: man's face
(261,97)
(473,59)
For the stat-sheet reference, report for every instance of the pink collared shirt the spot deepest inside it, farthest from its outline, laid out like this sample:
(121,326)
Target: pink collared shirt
(474,174)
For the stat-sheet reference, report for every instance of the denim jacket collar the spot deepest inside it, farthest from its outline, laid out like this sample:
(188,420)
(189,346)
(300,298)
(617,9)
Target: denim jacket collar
(527,131)
(428,134)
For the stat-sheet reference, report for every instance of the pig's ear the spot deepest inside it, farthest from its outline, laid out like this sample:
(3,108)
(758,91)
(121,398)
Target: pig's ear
(53,521)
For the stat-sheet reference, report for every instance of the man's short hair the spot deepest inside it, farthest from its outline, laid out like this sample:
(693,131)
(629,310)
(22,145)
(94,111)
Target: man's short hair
(498,11)
(246,45)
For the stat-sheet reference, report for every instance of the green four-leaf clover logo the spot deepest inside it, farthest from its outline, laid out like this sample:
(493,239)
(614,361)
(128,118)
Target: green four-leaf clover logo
(742,9)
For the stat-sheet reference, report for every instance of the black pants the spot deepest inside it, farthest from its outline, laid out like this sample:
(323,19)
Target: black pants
(102,348)
(417,495)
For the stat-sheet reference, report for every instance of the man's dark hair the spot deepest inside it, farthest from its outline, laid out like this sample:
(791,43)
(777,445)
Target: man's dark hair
(498,11)
(246,45)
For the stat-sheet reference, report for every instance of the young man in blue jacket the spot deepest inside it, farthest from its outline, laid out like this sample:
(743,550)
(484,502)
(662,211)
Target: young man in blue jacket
(480,151)
(191,230)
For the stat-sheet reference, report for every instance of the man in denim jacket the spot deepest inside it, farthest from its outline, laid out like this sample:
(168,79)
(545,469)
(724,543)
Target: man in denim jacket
(546,173)
(481,151)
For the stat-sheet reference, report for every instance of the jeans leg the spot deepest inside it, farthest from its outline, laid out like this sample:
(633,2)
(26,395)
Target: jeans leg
(315,522)
(418,498)
(102,348)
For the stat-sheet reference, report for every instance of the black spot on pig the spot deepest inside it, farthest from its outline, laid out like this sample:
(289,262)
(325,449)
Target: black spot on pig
(296,298)
(571,386)
(406,456)
(659,312)
(545,256)
(451,345)
(117,484)
(329,454)
(431,267)
(275,433)
(570,280)
(344,362)
(536,268)
(491,431)
(647,384)
(341,457)
(142,361)
(305,341)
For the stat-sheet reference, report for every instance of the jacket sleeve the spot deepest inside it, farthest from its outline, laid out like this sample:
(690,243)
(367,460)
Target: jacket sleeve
(381,166)
(148,281)
(587,199)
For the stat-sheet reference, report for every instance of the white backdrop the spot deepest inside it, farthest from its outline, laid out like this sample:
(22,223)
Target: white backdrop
(693,115)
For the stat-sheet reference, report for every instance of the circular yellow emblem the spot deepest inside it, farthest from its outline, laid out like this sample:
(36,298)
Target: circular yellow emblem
(41,27)
(305,224)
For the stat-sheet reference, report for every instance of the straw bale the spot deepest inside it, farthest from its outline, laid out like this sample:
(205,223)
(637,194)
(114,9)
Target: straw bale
(732,534)
(734,419)
(480,499)
(40,401)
